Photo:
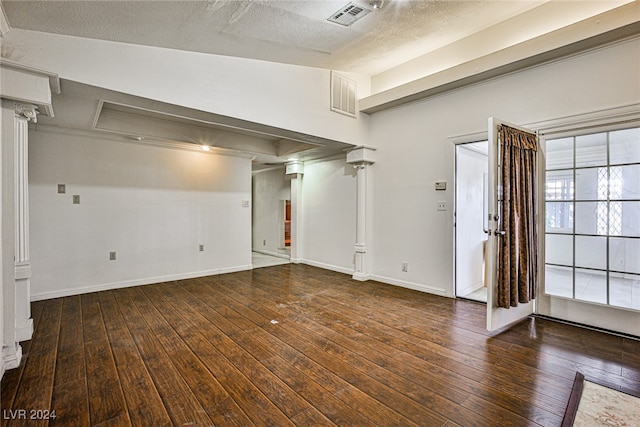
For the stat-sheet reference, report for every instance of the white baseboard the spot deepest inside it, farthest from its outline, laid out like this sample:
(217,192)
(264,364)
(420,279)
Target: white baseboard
(276,254)
(326,266)
(470,289)
(410,285)
(136,282)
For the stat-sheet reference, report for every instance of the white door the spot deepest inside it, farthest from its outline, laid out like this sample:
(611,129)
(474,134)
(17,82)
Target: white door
(498,318)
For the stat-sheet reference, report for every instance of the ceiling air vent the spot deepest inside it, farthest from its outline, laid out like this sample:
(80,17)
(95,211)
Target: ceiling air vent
(349,14)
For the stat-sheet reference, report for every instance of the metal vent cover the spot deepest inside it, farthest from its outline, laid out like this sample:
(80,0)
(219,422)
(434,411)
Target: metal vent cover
(343,94)
(349,14)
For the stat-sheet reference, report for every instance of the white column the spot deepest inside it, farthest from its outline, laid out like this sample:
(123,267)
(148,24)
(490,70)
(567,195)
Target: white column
(362,158)
(295,171)
(23,321)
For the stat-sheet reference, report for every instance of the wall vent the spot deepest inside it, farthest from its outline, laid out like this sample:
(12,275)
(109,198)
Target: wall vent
(343,94)
(349,14)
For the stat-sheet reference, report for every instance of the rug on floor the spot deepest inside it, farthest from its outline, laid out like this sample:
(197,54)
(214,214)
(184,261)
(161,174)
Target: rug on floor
(594,404)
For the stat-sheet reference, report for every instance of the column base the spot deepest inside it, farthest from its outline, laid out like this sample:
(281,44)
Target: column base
(25,332)
(12,356)
(361,277)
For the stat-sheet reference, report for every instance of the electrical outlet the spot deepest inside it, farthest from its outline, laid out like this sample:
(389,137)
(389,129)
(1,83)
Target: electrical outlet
(76,199)
(405,266)
(245,203)
(112,256)
(201,248)
(441,206)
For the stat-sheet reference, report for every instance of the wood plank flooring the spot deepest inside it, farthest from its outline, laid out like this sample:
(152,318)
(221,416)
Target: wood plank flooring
(297,345)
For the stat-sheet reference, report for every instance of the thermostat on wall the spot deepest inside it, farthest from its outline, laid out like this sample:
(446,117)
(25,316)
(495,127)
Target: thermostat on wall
(441,185)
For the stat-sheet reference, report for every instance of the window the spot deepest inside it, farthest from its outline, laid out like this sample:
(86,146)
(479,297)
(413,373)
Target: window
(592,222)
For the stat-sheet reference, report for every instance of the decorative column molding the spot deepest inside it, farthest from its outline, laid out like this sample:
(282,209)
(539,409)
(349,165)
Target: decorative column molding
(295,171)
(23,321)
(362,158)
(28,111)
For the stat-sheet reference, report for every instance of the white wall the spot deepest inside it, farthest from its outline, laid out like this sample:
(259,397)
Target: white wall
(280,95)
(414,151)
(270,189)
(329,215)
(154,206)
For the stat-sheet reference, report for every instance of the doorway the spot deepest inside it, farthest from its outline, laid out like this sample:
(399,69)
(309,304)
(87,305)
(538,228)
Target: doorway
(285,247)
(471,212)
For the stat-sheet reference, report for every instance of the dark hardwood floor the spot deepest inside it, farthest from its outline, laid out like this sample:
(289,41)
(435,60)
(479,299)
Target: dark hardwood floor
(297,345)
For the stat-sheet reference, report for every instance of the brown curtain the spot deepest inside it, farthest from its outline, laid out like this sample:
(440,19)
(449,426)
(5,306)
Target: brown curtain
(518,247)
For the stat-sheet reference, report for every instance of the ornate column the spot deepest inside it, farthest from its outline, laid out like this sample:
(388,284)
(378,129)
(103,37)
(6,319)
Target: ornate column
(23,321)
(362,158)
(295,170)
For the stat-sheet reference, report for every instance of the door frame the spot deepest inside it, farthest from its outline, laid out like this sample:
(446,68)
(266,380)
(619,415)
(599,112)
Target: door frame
(604,119)
(475,139)
(584,313)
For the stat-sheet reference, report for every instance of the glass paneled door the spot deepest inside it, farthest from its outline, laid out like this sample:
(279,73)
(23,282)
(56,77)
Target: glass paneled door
(592,229)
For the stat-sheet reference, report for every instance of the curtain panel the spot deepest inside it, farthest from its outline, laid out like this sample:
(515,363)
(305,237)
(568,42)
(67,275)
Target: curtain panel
(518,247)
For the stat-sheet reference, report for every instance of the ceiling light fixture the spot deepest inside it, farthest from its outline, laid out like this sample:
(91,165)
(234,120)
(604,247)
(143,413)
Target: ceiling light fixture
(376,4)
(206,148)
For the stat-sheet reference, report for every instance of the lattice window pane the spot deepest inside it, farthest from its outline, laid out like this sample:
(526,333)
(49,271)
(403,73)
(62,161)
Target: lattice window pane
(615,218)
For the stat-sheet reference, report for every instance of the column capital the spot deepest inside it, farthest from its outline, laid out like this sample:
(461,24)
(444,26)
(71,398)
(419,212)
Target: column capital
(294,167)
(361,156)
(28,111)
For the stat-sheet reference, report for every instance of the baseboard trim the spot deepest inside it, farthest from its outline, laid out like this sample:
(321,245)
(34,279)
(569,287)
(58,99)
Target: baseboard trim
(325,266)
(410,285)
(137,282)
(276,254)
(470,289)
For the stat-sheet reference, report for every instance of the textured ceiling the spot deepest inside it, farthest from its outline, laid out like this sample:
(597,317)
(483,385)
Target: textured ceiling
(294,32)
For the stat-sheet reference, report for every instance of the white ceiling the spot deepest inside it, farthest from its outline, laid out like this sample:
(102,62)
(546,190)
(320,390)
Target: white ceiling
(294,32)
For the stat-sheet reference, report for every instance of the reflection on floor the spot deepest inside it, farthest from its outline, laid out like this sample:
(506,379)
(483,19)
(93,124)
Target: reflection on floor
(624,289)
(263,260)
(477,295)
